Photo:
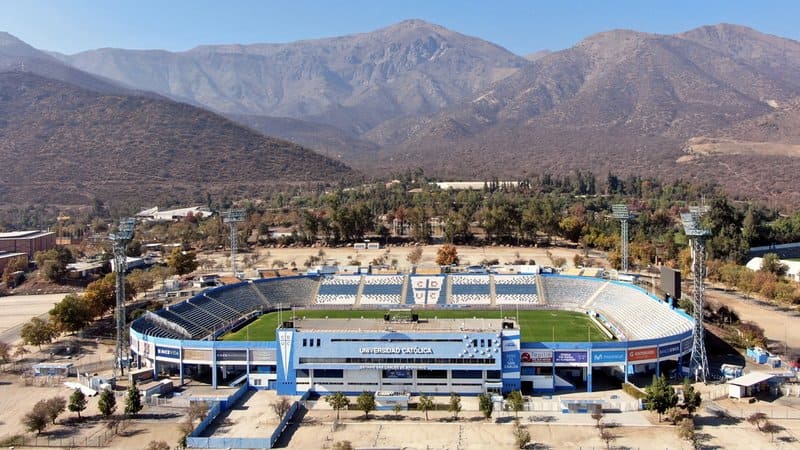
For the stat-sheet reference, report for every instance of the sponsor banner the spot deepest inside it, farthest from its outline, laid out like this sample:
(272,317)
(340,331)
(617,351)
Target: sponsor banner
(231,355)
(642,354)
(669,350)
(166,352)
(262,355)
(511,361)
(570,357)
(536,356)
(686,345)
(608,356)
(196,354)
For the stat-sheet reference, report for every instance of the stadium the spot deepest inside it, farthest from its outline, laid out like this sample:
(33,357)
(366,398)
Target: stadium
(415,334)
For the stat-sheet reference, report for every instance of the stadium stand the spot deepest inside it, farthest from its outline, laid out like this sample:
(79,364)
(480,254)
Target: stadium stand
(297,291)
(470,290)
(338,290)
(568,292)
(636,314)
(382,290)
(515,289)
(426,290)
(239,297)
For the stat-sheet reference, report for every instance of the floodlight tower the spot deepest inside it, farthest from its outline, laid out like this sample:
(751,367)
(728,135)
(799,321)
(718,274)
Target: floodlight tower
(232,217)
(120,241)
(697,237)
(621,213)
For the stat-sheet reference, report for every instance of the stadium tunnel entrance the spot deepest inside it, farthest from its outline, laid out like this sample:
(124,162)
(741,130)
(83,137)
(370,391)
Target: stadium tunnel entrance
(607,378)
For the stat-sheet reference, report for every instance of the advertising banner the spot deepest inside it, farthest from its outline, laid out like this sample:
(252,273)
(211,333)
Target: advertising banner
(166,352)
(608,356)
(536,356)
(686,345)
(196,354)
(231,355)
(642,354)
(669,350)
(570,357)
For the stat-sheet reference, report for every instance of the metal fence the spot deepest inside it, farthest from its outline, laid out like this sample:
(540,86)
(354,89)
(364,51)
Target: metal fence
(100,439)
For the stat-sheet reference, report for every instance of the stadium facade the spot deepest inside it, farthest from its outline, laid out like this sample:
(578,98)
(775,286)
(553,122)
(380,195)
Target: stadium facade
(468,356)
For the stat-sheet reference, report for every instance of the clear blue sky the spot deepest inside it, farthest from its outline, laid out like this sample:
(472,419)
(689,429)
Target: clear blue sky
(70,26)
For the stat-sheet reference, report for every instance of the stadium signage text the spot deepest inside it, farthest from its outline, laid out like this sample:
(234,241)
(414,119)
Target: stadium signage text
(395,350)
(641,354)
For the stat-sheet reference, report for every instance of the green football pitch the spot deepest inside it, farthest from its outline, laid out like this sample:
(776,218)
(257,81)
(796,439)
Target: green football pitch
(536,325)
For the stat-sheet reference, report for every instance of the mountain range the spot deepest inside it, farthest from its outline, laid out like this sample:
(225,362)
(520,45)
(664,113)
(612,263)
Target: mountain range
(718,102)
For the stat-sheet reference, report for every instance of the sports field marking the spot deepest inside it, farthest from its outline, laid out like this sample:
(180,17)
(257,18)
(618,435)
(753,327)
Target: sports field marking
(535,325)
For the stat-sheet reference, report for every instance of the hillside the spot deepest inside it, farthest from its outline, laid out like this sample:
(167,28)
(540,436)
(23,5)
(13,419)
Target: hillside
(352,82)
(326,139)
(63,144)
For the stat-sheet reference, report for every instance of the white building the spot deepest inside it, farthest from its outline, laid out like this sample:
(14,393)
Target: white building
(155,215)
(792,267)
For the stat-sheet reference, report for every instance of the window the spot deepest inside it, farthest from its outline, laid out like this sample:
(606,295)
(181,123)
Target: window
(318,342)
(304,342)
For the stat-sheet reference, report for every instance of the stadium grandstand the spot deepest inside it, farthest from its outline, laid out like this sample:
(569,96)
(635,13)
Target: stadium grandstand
(188,339)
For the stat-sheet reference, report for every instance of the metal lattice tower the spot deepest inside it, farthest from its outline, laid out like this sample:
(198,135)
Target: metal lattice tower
(232,217)
(120,241)
(697,236)
(621,213)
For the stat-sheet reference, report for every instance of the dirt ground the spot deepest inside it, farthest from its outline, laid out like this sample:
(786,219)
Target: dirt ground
(15,310)
(269,258)
(780,327)
(553,431)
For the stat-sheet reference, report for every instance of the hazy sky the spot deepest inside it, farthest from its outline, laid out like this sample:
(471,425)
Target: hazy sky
(70,26)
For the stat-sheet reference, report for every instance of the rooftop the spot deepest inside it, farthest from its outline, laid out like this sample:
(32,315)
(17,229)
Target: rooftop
(30,234)
(422,326)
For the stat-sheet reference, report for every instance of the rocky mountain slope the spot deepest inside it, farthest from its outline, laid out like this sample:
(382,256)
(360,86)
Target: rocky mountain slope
(60,143)
(353,82)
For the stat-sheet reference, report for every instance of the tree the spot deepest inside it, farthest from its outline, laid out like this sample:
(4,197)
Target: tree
(485,404)
(133,400)
(182,262)
(20,350)
(771,428)
(141,280)
(343,445)
(281,406)
(425,404)
(660,396)
(71,314)
(157,445)
(37,419)
(397,408)
(516,402)
(597,416)
(77,402)
(197,410)
(53,263)
(55,406)
(691,398)
(447,255)
(366,403)
(771,263)
(521,435)
(758,419)
(337,401)
(38,332)
(608,437)
(107,403)
(686,429)
(454,407)
(101,295)
(415,255)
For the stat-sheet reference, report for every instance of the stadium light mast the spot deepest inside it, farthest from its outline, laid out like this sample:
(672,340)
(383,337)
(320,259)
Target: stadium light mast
(232,217)
(621,213)
(120,241)
(697,237)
